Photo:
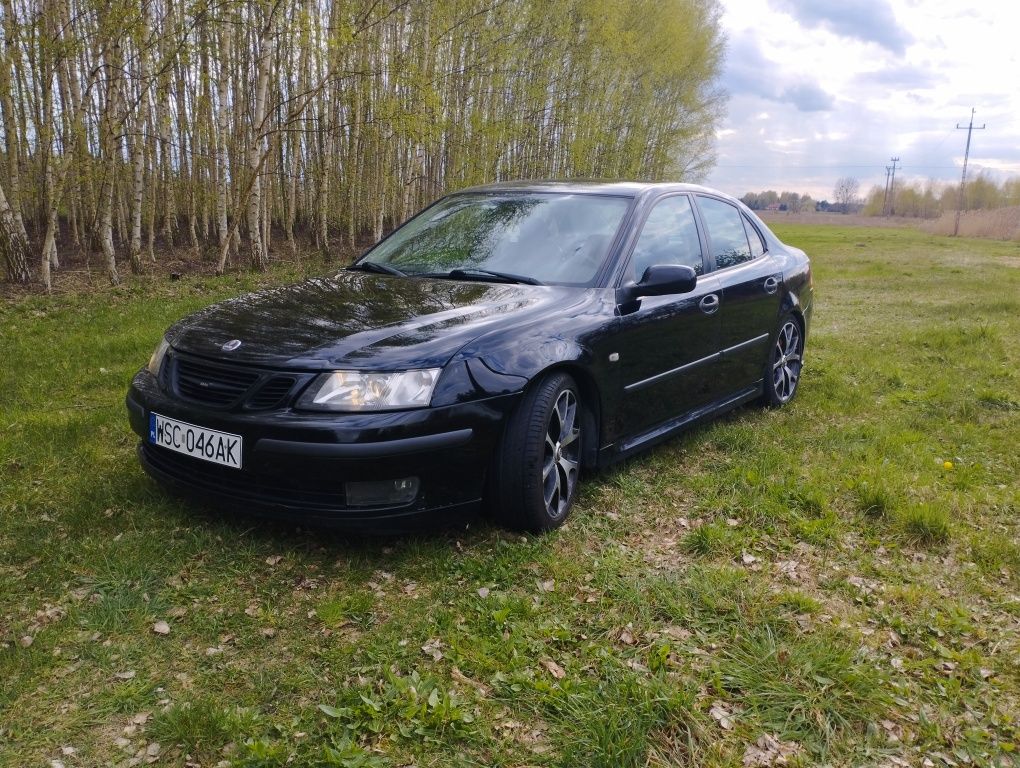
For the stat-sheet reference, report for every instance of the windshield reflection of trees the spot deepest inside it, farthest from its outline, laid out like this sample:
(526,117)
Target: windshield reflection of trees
(554,239)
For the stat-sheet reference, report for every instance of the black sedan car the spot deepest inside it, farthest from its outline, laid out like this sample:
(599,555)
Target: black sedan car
(494,347)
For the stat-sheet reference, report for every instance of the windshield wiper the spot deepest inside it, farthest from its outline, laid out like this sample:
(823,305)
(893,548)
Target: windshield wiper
(484,274)
(377,268)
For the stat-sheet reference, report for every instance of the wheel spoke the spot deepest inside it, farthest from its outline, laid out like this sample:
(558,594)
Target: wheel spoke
(788,342)
(569,466)
(551,488)
(550,465)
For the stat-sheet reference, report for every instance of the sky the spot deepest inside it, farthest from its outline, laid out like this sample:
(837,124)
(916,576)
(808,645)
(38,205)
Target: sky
(820,89)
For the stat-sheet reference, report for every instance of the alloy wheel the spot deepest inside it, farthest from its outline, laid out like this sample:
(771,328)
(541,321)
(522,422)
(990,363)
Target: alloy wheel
(562,454)
(787,361)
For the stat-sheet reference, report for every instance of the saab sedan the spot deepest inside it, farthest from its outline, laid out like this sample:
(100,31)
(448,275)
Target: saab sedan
(486,354)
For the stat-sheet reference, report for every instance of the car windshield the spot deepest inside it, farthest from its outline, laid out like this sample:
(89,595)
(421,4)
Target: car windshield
(518,237)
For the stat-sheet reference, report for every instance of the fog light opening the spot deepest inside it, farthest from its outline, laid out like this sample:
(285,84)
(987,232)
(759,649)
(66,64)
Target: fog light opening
(382,493)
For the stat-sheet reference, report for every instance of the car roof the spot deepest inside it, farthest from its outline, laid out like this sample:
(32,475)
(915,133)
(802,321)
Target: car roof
(623,188)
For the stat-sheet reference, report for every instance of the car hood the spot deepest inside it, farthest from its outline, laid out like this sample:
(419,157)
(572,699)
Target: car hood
(356,319)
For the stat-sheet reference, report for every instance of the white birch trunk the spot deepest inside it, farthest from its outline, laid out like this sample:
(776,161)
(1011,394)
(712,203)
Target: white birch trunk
(258,256)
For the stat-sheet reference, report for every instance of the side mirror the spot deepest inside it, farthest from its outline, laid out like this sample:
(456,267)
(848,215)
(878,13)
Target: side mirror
(661,280)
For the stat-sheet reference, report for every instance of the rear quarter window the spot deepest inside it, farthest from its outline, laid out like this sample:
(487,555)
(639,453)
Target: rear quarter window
(726,233)
(754,238)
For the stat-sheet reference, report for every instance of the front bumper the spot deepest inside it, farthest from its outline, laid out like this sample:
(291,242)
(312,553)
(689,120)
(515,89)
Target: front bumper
(295,464)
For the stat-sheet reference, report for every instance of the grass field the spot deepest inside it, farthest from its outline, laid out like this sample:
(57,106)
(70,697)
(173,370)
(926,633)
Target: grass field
(836,582)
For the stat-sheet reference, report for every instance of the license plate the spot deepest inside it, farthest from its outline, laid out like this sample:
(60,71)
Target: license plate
(207,444)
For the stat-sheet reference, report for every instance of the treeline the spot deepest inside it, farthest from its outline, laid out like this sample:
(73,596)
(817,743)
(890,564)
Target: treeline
(778,201)
(219,125)
(930,199)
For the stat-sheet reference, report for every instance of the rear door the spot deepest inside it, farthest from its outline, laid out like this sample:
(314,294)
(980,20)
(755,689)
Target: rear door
(750,281)
(667,345)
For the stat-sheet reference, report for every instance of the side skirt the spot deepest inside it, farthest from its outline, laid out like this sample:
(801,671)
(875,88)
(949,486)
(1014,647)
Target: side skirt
(667,429)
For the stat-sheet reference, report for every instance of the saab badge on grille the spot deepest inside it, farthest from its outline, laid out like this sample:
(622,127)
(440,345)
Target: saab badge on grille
(231,345)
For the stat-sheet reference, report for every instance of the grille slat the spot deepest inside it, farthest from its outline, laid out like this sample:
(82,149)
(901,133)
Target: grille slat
(270,394)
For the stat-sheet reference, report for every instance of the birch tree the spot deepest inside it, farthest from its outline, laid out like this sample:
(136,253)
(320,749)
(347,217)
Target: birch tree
(153,125)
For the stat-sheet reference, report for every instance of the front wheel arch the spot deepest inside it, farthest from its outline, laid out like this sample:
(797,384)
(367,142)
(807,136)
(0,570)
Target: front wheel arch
(519,487)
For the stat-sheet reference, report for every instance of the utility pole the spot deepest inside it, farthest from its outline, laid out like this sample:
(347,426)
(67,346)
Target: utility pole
(885,197)
(892,186)
(966,156)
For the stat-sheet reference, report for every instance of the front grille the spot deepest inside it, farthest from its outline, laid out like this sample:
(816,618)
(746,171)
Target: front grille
(272,393)
(210,383)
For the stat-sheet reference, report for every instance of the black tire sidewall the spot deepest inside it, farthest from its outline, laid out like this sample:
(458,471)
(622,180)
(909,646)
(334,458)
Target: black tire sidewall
(520,500)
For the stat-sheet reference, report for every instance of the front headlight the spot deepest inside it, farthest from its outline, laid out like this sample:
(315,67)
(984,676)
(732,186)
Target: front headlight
(157,357)
(364,391)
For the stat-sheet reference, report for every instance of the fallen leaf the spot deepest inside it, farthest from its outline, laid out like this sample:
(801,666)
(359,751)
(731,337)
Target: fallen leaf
(26,641)
(431,648)
(768,750)
(677,633)
(549,585)
(789,569)
(483,592)
(747,558)
(126,675)
(722,715)
(161,628)
(892,730)
(554,669)
(273,559)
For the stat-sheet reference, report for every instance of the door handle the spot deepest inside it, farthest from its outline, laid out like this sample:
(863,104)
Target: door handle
(771,285)
(709,304)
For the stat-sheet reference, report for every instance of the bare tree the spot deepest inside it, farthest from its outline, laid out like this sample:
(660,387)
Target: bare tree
(846,192)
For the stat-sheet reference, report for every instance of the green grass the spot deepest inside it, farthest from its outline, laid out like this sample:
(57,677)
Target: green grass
(841,574)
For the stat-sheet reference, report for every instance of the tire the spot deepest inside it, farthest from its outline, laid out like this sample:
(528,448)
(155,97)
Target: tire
(538,465)
(786,360)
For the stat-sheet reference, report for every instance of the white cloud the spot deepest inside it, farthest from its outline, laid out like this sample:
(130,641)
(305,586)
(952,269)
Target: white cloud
(820,89)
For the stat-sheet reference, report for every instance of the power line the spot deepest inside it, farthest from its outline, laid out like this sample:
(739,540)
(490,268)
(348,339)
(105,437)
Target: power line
(885,197)
(892,186)
(963,177)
